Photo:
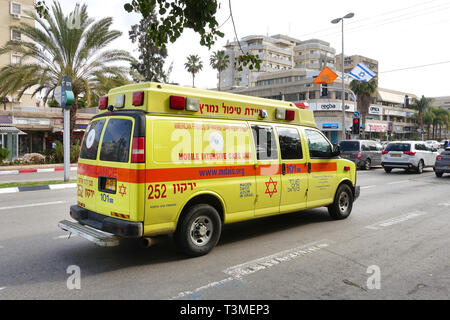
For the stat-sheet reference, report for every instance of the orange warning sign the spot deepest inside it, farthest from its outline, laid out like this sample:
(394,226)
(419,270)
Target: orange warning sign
(326,76)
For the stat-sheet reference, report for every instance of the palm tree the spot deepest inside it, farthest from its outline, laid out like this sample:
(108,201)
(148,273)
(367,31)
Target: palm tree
(428,120)
(364,91)
(193,66)
(60,45)
(220,61)
(421,106)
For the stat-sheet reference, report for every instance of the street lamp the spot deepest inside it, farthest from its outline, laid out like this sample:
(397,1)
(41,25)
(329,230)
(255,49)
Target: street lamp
(335,21)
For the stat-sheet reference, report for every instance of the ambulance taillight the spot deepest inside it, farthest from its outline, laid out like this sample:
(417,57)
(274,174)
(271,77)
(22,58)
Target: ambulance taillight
(138,98)
(177,102)
(138,150)
(102,103)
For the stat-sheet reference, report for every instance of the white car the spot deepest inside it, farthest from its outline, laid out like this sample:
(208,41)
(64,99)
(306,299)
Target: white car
(408,155)
(433,144)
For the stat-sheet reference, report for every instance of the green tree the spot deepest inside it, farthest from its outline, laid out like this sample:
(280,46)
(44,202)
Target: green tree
(150,66)
(193,65)
(60,45)
(220,61)
(176,16)
(364,91)
(421,105)
(428,120)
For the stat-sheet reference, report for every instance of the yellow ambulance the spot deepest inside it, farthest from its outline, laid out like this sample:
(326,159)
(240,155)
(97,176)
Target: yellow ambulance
(161,159)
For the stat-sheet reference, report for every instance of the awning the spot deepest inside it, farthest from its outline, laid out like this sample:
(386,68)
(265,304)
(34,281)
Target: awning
(9,129)
(391,97)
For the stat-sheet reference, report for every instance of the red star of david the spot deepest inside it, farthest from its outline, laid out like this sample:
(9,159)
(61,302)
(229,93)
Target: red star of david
(122,190)
(274,190)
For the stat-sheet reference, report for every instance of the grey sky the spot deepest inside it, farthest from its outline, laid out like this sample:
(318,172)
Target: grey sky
(399,34)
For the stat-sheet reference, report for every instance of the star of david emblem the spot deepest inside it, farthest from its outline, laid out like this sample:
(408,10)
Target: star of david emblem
(270,191)
(122,190)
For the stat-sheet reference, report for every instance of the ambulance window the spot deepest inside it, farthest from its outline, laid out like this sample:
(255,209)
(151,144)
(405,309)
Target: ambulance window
(319,147)
(266,147)
(116,141)
(290,144)
(91,140)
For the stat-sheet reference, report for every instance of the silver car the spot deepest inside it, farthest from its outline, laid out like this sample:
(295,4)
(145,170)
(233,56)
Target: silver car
(408,155)
(364,153)
(442,164)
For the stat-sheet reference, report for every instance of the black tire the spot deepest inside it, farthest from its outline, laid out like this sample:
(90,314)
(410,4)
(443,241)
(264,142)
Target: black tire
(439,174)
(367,164)
(419,168)
(388,170)
(343,203)
(198,231)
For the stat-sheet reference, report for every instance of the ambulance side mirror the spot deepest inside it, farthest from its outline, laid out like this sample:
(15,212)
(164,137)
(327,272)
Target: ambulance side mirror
(335,151)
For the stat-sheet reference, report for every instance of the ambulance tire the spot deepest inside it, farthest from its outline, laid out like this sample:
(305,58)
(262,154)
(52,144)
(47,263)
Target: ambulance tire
(343,203)
(198,231)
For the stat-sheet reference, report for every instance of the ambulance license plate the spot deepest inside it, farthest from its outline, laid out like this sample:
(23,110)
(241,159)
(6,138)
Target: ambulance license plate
(110,184)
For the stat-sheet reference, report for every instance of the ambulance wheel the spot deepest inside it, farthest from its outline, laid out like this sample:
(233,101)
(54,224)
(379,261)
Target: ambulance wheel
(343,203)
(198,230)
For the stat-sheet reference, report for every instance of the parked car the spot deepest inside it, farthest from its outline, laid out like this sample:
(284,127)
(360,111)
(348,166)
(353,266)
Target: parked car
(408,155)
(442,164)
(433,144)
(364,153)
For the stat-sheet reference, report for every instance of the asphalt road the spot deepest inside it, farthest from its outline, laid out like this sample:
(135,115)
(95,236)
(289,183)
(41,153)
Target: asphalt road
(34,176)
(395,245)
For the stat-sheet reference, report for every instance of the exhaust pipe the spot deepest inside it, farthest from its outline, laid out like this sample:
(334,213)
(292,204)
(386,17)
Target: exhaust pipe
(148,242)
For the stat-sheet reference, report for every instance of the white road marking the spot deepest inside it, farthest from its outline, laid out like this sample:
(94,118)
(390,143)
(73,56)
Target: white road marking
(256,265)
(396,220)
(1,288)
(33,205)
(368,187)
(444,204)
(396,182)
(239,271)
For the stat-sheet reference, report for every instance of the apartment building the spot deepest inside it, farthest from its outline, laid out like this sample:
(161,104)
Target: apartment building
(13,13)
(26,124)
(387,119)
(352,61)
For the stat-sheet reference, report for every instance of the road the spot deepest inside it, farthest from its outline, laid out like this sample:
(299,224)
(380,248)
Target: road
(395,245)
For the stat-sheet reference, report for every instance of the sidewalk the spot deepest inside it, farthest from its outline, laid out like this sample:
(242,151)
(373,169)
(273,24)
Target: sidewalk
(5,170)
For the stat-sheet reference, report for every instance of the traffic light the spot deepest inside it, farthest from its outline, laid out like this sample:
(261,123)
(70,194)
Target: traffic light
(324,90)
(356,125)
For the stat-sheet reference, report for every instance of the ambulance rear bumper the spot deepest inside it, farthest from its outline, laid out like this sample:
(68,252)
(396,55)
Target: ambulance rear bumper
(122,228)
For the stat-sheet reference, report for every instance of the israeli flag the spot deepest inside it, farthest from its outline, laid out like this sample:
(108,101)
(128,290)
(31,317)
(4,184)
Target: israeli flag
(362,73)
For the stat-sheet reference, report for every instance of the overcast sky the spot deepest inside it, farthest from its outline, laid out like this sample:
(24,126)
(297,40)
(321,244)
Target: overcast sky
(399,34)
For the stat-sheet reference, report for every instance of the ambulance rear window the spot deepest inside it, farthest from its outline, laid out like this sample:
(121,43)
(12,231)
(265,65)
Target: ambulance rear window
(91,140)
(116,141)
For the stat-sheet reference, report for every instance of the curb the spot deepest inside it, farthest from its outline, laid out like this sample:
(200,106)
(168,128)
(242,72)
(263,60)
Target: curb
(34,170)
(36,188)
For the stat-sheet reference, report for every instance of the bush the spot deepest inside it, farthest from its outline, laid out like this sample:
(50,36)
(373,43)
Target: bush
(74,152)
(59,152)
(4,154)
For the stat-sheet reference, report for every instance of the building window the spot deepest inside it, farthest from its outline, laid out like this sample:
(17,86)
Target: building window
(15,59)
(16,8)
(16,35)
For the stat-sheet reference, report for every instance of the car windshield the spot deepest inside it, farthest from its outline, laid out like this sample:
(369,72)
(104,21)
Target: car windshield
(398,147)
(349,145)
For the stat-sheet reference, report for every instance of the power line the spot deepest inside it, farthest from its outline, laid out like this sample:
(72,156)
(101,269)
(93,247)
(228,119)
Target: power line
(416,67)
(375,16)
